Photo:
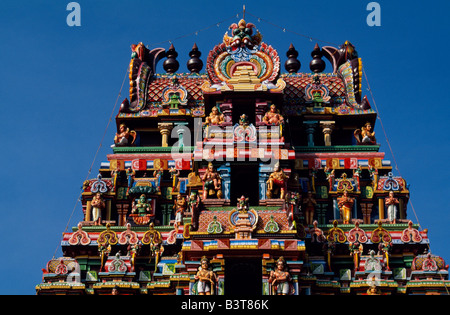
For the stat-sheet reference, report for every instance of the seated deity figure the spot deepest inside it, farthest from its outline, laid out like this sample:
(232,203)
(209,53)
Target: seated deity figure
(212,183)
(273,117)
(142,207)
(122,138)
(97,204)
(345,204)
(365,135)
(391,202)
(280,278)
(276,183)
(206,278)
(214,118)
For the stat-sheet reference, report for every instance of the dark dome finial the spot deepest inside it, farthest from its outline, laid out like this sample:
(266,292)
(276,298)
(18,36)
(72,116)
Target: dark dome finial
(195,64)
(171,64)
(292,65)
(317,65)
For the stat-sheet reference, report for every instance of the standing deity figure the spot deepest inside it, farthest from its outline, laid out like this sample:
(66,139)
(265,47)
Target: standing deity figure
(206,278)
(142,207)
(180,205)
(391,202)
(310,206)
(158,174)
(273,117)
(193,204)
(276,183)
(356,250)
(98,204)
(345,204)
(212,183)
(130,177)
(280,278)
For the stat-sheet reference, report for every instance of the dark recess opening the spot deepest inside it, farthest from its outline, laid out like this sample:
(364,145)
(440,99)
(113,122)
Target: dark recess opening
(245,181)
(243,276)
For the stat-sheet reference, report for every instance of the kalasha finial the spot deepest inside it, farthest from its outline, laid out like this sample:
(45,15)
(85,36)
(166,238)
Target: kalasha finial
(195,64)
(317,65)
(171,64)
(292,65)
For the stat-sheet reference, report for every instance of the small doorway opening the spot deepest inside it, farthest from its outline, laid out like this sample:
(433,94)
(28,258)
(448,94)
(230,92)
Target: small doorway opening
(244,182)
(243,276)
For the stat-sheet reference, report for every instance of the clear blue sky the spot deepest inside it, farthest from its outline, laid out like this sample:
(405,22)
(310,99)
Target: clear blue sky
(59,85)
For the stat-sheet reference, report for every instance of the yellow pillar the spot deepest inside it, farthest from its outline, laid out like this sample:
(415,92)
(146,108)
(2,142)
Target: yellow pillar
(165,129)
(381,208)
(88,211)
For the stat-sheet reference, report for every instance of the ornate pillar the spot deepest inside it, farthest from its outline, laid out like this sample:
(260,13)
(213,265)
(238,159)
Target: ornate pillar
(227,110)
(180,128)
(327,129)
(381,208)
(165,129)
(122,211)
(366,209)
(88,211)
(321,213)
(310,130)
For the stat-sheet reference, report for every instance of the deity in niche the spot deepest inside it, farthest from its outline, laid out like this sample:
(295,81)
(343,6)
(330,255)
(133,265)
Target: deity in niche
(276,183)
(142,207)
(180,206)
(215,117)
(122,137)
(280,278)
(310,206)
(366,135)
(273,117)
(345,204)
(391,202)
(206,278)
(212,183)
(98,204)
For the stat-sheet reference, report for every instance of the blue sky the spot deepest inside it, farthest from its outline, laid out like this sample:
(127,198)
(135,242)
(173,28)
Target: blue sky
(59,85)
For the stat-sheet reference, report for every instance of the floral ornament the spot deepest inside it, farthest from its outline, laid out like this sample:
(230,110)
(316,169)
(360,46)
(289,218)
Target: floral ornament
(80,237)
(214,227)
(357,235)
(117,265)
(380,235)
(128,236)
(336,234)
(271,226)
(410,234)
(107,237)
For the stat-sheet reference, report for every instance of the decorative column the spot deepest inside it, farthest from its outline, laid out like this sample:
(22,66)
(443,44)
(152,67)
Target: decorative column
(310,130)
(88,211)
(321,213)
(226,109)
(224,172)
(180,128)
(327,129)
(122,210)
(381,208)
(366,209)
(165,129)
